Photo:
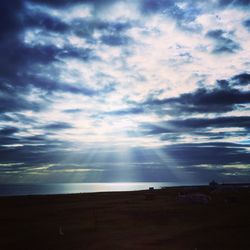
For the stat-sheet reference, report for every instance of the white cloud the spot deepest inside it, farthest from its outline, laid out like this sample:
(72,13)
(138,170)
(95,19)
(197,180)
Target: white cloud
(161,59)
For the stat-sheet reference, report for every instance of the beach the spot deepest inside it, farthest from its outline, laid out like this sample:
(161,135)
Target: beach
(149,219)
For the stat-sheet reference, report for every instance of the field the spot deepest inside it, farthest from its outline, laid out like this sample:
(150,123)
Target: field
(127,220)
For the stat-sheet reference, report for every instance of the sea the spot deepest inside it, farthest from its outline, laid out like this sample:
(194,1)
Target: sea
(73,188)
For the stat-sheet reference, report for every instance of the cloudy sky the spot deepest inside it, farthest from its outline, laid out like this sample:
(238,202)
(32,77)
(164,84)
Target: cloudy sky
(105,90)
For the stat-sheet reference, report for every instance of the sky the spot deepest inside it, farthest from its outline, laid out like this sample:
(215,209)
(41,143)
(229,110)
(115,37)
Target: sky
(124,90)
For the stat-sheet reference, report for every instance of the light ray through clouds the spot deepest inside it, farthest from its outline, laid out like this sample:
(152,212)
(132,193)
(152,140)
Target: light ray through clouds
(124,91)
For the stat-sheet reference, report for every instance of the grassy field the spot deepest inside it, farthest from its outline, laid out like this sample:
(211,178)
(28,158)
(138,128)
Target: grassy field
(127,220)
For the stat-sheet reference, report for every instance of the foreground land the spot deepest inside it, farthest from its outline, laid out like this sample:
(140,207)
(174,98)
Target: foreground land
(127,220)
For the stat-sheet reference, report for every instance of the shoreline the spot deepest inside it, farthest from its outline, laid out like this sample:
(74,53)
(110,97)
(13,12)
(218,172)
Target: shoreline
(230,185)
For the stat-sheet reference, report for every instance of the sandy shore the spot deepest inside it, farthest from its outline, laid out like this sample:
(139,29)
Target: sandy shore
(127,220)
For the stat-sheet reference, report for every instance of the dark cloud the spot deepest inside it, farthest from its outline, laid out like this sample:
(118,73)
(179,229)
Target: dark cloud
(223,41)
(16,68)
(82,54)
(34,149)
(67,3)
(16,103)
(241,79)
(72,110)
(56,3)
(7,135)
(215,34)
(10,26)
(152,6)
(11,20)
(6,118)
(208,153)
(192,124)
(11,99)
(115,40)
(86,28)
(203,101)
(224,97)
(45,21)
(171,7)
(184,17)
(111,27)
(129,111)
(233,3)
(10,142)
(192,9)
(246,23)
(18,59)
(112,32)
(8,131)
(58,126)
(219,122)
(34,138)
(19,117)
(28,154)
(52,86)
(10,135)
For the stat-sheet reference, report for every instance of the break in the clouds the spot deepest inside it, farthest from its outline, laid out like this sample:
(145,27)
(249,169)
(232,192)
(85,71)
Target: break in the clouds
(146,90)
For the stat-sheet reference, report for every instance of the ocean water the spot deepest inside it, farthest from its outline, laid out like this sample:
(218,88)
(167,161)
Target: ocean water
(71,188)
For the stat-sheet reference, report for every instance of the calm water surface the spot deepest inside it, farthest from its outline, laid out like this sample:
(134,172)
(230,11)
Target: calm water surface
(70,188)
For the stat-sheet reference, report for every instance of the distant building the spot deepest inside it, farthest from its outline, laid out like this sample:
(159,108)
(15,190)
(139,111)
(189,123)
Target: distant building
(213,184)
